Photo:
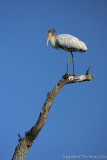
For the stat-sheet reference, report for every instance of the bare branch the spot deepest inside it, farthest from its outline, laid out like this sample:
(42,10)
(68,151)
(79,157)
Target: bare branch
(26,142)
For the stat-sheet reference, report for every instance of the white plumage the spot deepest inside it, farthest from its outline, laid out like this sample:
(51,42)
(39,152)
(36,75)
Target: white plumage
(70,43)
(67,42)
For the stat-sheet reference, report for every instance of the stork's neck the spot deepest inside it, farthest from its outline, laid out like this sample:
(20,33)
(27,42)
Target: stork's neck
(53,42)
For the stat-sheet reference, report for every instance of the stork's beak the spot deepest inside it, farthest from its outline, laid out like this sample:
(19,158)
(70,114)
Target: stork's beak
(48,38)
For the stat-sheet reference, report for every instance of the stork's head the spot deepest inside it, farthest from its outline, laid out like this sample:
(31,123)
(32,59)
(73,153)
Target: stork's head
(51,33)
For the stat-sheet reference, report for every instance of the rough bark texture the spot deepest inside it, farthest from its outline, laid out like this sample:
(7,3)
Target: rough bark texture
(26,142)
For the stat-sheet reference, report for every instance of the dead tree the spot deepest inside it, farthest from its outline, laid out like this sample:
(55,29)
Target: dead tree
(26,142)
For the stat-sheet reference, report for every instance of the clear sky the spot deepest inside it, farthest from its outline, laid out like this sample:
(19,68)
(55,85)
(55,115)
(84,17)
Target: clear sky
(77,121)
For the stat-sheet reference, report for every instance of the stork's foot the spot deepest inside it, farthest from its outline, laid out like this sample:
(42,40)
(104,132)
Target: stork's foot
(66,75)
(73,74)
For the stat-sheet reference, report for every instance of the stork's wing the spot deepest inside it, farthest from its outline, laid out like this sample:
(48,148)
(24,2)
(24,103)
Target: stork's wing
(67,41)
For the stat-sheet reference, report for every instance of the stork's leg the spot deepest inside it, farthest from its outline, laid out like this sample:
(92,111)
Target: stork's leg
(73,63)
(67,61)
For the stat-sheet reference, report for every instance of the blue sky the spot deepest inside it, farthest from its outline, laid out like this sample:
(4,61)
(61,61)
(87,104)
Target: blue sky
(77,121)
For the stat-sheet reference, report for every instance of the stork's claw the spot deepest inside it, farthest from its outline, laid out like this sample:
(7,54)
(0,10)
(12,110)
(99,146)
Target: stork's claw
(73,74)
(66,75)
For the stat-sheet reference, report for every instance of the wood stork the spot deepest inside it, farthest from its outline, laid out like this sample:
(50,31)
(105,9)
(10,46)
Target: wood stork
(66,42)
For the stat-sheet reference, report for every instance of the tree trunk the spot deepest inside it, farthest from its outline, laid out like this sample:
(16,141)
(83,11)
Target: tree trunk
(25,143)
